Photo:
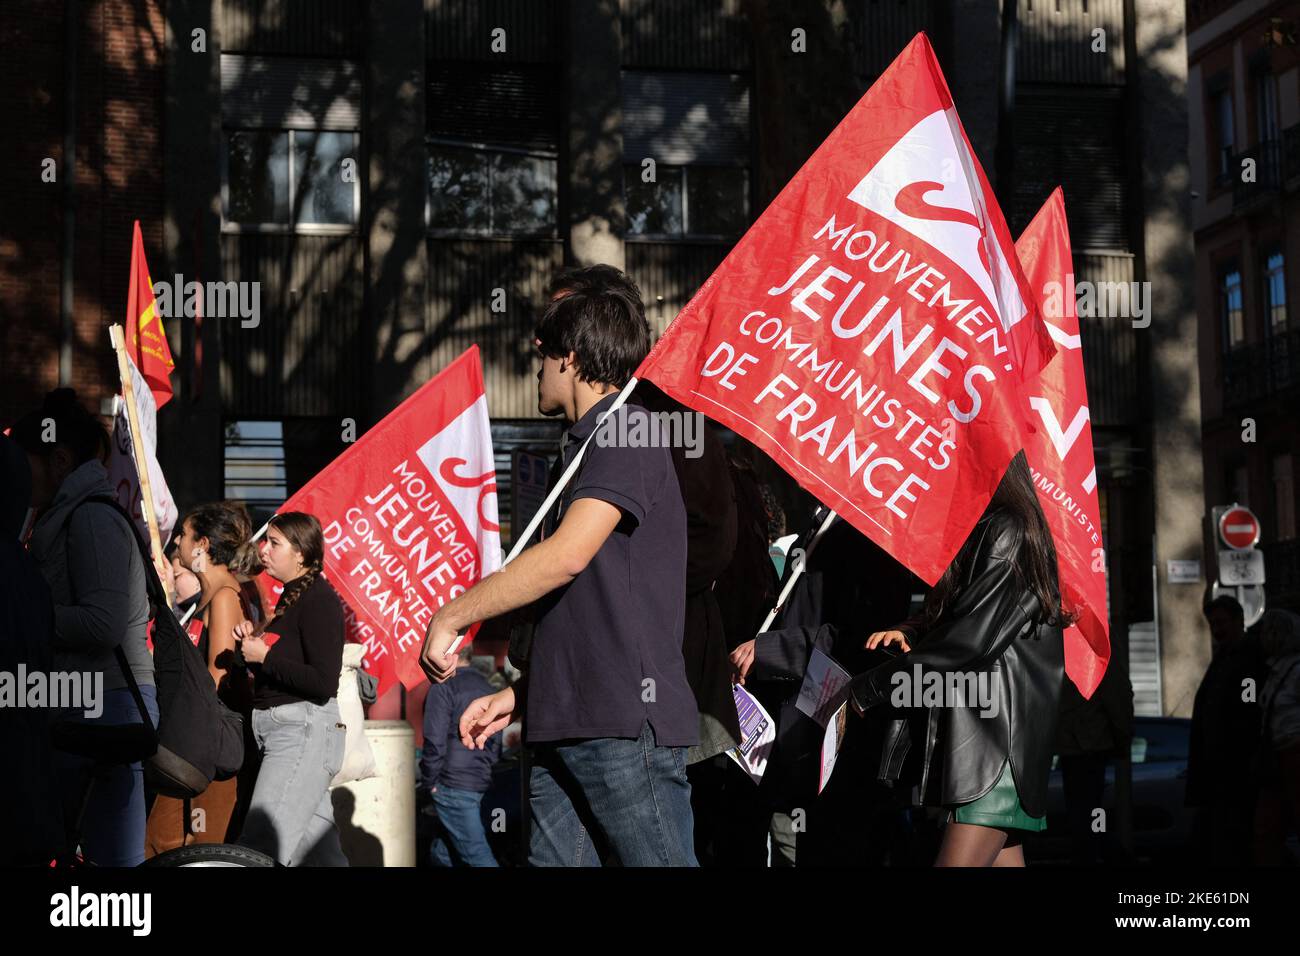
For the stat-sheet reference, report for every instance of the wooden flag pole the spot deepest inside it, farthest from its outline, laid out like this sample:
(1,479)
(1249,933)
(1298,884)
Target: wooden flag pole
(118,339)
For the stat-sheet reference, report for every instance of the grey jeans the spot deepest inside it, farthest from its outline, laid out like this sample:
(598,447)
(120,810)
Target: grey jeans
(290,816)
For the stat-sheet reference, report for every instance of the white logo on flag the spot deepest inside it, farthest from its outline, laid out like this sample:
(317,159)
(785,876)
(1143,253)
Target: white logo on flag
(949,215)
(460,460)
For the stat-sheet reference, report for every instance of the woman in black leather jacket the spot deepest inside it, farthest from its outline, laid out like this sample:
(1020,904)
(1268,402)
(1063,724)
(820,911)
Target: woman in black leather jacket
(985,662)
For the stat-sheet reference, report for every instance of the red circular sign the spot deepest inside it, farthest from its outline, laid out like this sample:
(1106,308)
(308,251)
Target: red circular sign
(1239,528)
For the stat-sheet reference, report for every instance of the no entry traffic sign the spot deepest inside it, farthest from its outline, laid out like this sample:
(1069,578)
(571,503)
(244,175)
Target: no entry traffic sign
(1239,528)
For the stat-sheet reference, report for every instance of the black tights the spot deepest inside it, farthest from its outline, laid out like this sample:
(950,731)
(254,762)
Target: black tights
(967,844)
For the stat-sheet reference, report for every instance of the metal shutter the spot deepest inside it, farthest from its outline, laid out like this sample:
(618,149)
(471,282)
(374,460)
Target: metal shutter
(498,105)
(289,92)
(1073,138)
(684,118)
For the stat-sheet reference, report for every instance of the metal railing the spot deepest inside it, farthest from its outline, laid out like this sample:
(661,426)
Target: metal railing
(1262,369)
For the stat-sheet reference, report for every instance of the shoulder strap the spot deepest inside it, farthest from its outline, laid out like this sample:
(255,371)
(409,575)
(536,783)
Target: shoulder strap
(153,587)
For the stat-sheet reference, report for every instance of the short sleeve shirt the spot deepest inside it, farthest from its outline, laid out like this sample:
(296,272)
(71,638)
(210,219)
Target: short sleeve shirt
(607,652)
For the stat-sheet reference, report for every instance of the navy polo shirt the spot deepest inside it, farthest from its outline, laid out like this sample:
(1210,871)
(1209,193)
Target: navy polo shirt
(607,649)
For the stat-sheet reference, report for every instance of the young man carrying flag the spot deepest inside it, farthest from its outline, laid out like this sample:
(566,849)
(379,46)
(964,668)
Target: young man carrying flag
(605,701)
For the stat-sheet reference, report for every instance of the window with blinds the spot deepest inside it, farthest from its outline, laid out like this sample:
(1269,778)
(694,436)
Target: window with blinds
(1073,138)
(291,146)
(493,147)
(686,154)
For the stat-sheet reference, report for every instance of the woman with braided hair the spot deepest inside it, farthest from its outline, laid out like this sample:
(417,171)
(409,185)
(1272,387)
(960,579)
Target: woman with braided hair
(296,721)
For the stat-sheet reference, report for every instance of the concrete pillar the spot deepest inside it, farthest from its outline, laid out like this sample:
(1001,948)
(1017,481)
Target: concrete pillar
(190,438)
(1158,82)
(593,192)
(376,817)
(397,251)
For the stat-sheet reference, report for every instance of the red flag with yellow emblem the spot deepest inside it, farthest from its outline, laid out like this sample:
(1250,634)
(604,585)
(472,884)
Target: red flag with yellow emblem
(146,341)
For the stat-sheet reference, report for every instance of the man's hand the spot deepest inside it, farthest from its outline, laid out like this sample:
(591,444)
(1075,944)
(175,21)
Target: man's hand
(485,717)
(436,663)
(742,658)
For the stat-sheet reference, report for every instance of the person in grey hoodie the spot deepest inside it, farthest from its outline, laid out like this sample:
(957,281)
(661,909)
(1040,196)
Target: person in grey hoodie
(88,554)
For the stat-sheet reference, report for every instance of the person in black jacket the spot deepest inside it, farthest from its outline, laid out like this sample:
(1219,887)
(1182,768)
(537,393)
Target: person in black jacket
(456,776)
(991,629)
(296,720)
(1224,738)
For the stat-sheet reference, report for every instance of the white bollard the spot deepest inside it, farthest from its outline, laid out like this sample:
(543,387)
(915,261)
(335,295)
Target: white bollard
(376,817)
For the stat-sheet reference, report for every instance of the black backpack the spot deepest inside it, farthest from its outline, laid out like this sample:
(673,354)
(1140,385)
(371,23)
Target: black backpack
(198,738)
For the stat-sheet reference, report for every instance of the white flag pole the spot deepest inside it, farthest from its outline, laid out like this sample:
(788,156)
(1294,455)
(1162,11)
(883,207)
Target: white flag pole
(545,508)
(118,338)
(794,575)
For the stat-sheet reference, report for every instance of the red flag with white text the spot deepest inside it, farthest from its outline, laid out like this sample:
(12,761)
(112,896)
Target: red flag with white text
(1060,452)
(409,514)
(872,330)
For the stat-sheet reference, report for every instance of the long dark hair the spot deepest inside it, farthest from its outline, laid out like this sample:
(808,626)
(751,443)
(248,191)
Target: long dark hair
(303,531)
(1036,566)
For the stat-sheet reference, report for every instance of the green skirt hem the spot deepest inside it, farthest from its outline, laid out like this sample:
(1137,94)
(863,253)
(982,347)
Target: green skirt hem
(1000,808)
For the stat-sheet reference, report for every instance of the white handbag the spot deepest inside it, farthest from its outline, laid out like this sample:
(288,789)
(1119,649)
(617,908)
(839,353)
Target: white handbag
(358,758)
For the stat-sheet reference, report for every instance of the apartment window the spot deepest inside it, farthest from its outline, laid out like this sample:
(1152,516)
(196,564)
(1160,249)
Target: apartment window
(686,154)
(291,146)
(1275,290)
(1283,497)
(493,147)
(1225,142)
(254,464)
(1231,309)
(479,190)
(687,201)
(287,178)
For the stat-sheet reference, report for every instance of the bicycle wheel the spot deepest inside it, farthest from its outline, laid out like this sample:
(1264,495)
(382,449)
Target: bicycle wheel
(211,854)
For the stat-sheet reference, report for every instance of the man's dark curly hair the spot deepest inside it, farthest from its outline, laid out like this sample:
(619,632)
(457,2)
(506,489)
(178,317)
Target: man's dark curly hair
(597,314)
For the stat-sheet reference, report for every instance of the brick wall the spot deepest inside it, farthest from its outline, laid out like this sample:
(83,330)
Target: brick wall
(118,179)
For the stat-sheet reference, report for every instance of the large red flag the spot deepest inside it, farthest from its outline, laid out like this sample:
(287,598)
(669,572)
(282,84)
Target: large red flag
(872,329)
(146,340)
(1060,451)
(410,517)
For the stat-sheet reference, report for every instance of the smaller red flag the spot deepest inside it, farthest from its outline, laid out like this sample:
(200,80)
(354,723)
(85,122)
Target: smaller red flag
(146,340)
(1060,452)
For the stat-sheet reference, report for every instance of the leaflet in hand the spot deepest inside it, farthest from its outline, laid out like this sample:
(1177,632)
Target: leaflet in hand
(757,734)
(824,688)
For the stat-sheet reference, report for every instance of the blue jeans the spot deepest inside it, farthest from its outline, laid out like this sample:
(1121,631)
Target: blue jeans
(112,828)
(610,800)
(461,840)
(291,816)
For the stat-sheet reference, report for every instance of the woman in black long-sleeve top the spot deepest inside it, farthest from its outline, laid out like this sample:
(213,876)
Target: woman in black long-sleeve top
(296,719)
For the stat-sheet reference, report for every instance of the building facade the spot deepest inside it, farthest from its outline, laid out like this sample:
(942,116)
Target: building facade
(402,179)
(1244,110)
